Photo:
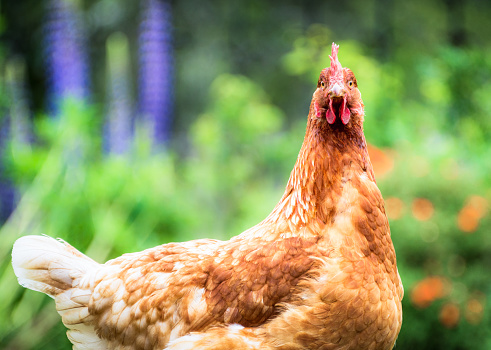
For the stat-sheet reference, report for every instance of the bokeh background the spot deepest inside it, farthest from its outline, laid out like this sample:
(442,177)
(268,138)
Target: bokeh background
(125,124)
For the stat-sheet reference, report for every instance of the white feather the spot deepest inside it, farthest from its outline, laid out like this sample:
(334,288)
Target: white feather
(54,267)
(47,265)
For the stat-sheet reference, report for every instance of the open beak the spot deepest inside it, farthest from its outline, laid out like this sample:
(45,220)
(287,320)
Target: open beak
(337,104)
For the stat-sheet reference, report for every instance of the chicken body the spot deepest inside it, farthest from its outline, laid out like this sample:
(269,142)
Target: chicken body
(318,273)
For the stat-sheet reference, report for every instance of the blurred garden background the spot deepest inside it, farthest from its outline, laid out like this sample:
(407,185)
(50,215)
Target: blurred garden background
(126,124)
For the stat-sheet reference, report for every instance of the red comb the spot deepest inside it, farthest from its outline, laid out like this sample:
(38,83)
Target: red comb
(336,69)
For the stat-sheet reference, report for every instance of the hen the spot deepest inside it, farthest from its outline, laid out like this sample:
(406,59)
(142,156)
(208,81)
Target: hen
(318,273)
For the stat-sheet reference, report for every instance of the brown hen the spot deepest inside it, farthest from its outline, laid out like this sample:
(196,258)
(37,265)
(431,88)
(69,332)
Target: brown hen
(318,273)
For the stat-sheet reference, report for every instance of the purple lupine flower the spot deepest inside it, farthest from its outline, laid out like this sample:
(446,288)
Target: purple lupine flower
(7,189)
(65,56)
(118,133)
(16,127)
(156,70)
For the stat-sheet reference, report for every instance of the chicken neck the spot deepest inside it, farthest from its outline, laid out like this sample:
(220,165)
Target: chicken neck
(330,157)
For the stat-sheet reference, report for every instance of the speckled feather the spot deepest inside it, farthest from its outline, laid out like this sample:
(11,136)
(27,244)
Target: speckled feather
(318,273)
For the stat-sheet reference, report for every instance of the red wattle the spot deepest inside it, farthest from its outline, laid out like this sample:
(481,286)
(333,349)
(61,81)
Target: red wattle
(330,116)
(345,113)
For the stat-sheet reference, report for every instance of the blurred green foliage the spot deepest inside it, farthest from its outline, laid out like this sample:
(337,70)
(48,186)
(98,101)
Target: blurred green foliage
(427,110)
(109,205)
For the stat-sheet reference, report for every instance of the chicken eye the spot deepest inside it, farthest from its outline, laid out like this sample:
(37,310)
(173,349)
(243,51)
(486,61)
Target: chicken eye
(350,83)
(323,85)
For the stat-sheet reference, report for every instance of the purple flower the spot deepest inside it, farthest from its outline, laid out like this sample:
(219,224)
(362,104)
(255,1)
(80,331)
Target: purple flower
(118,128)
(16,127)
(7,189)
(156,70)
(65,56)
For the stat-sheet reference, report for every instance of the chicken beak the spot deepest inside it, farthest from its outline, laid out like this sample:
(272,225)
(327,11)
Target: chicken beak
(336,91)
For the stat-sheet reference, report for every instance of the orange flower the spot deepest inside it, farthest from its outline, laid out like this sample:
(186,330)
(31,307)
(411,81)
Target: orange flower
(381,162)
(428,290)
(422,209)
(480,204)
(450,315)
(469,216)
(468,219)
(394,207)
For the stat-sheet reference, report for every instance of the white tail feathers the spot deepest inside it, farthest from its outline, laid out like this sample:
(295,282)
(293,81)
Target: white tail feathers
(56,268)
(47,265)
